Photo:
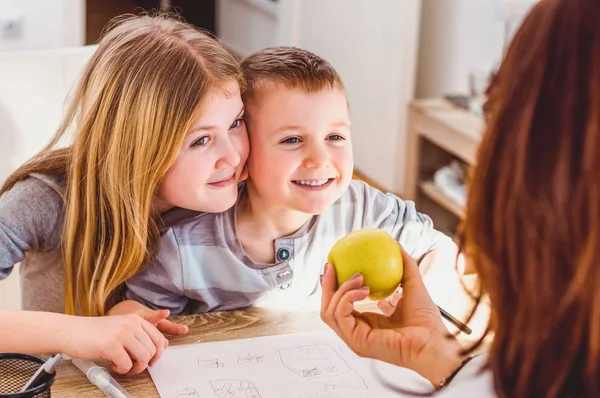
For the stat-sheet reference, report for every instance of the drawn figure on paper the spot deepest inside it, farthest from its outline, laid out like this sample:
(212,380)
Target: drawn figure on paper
(324,392)
(210,363)
(248,358)
(345,350)
(188,392)
(322,364)
(227,388)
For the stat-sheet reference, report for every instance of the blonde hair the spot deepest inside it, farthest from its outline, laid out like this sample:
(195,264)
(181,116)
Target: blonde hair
(290,67)
(138,96)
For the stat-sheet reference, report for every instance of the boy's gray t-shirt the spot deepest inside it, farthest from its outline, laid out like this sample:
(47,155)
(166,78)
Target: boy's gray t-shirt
(201,265)
(31,216)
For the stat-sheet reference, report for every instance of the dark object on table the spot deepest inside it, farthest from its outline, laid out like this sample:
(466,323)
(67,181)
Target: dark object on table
(15,372)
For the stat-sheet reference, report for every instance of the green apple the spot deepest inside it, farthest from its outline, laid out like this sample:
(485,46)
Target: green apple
(375,254)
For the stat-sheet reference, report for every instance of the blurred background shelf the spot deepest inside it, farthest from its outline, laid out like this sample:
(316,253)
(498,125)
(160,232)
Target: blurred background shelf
(434,193)
(438,134)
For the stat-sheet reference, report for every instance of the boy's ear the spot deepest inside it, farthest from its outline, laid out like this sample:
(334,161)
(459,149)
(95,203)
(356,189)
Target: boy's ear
(244,174)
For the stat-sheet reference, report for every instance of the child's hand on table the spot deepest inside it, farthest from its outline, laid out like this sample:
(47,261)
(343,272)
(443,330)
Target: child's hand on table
(130,342)
(163,324)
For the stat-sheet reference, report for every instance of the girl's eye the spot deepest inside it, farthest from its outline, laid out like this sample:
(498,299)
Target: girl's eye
(237,123)
(291,140)
(335,137)
(201,142)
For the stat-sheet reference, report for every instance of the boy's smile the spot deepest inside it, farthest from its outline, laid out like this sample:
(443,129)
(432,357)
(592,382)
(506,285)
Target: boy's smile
(314,185)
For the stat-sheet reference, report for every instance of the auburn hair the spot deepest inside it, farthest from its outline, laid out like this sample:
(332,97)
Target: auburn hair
(532,226)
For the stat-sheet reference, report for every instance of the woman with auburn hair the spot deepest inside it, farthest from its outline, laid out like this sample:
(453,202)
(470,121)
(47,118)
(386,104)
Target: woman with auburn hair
(156,119)
(532,231)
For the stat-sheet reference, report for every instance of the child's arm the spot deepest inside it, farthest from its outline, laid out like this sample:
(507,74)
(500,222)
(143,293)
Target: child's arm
(128,341)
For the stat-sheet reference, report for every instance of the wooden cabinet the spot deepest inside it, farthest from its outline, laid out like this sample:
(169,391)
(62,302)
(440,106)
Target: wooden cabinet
(438,132)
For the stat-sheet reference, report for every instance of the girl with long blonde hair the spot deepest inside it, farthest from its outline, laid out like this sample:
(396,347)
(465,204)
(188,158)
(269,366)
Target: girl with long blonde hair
(156,123)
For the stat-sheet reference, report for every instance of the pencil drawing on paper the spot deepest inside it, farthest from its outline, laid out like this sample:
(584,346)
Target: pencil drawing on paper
(246,358)
(229,388)
(188,392)
(346,351)
(327,391)
(322,364)
(210,363)
(298,365)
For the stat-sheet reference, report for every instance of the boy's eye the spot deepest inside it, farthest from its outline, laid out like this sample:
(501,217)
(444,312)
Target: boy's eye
(335,137)
(291,140)
(200,142)
(237,123)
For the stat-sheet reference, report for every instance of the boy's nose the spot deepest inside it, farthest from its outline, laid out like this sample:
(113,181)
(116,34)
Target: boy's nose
(317,158)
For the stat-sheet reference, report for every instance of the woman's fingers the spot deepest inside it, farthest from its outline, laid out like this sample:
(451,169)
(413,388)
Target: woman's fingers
(388,306)
(328,286)
(355,282)
(343,297)
(344,313)
(412,275)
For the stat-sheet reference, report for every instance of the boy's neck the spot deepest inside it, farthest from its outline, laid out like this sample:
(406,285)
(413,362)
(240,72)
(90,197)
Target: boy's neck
(267,220)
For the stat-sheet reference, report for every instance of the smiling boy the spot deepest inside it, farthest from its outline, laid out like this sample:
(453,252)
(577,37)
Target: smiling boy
(299,199)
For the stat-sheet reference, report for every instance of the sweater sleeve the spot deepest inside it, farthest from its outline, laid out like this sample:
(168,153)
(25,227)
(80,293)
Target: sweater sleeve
(398,217)
(31,215)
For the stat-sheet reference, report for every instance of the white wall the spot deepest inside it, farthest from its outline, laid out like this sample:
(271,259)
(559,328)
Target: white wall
(462,36)
(373,45)
(457,37)
(41,24)
(33,87)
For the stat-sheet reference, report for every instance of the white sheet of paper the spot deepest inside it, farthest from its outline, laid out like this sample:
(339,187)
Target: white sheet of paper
(300,365)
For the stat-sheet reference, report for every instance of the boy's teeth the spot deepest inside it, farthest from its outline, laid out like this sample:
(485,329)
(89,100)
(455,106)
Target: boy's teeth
(313,183)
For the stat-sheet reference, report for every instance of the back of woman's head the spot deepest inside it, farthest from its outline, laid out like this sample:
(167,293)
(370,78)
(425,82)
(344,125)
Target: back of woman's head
(136,99)
(533,221)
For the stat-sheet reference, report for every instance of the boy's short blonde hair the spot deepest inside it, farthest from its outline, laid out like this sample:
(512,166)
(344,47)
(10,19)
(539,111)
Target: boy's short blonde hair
(288,66)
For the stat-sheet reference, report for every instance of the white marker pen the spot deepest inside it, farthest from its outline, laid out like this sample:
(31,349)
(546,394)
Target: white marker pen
(101,378)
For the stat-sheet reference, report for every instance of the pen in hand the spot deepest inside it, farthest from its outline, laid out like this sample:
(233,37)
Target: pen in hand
(461,326)
(446,315)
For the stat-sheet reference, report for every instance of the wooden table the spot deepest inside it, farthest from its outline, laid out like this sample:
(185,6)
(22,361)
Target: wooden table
(216,326)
